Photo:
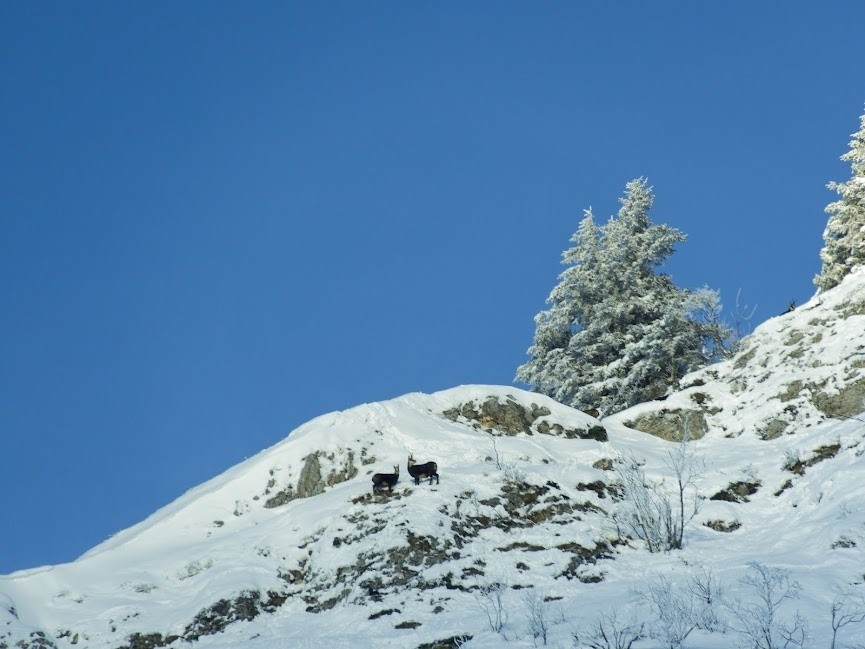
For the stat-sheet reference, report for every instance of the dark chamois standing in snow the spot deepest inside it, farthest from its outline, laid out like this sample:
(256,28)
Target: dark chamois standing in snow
(427,470)
(382,480)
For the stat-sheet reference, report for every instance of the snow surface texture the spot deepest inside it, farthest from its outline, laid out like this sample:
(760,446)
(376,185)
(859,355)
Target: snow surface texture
(292,549)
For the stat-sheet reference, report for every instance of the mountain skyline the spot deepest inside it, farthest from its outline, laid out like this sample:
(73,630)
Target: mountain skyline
(220,222)
(292,547)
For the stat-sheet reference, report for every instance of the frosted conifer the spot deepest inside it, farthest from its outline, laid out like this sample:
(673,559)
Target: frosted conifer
(550,365)
(844,236)
(617,333)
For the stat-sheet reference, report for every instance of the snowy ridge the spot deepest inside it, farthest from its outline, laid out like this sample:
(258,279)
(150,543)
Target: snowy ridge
(291,549)
(795,371)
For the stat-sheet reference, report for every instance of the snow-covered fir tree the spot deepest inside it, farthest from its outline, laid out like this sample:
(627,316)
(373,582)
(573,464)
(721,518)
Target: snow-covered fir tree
(844,237)
(570,302)
(618,333)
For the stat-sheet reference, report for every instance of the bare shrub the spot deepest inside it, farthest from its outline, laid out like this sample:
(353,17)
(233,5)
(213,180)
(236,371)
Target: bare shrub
(741,326)
(758,620)
(537,614)
(651,510)
(676,612)
(498,458)
(646,510)
(708,592)
(847,608)
(490,601)
(685,466)
(679,609)
(608,631)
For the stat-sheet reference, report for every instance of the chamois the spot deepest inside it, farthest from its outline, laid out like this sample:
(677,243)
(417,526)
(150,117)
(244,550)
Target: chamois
(427,470)
(382,480)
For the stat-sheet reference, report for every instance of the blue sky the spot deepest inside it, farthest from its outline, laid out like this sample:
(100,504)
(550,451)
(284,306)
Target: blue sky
(220,220)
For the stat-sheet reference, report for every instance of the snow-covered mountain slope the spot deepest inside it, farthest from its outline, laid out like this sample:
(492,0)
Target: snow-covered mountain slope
(292,549)
(794,372)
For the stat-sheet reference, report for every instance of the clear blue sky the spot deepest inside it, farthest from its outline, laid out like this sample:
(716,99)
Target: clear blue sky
(220,220)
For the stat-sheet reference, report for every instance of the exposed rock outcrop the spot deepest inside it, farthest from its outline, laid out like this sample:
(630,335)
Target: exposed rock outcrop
(512,418)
